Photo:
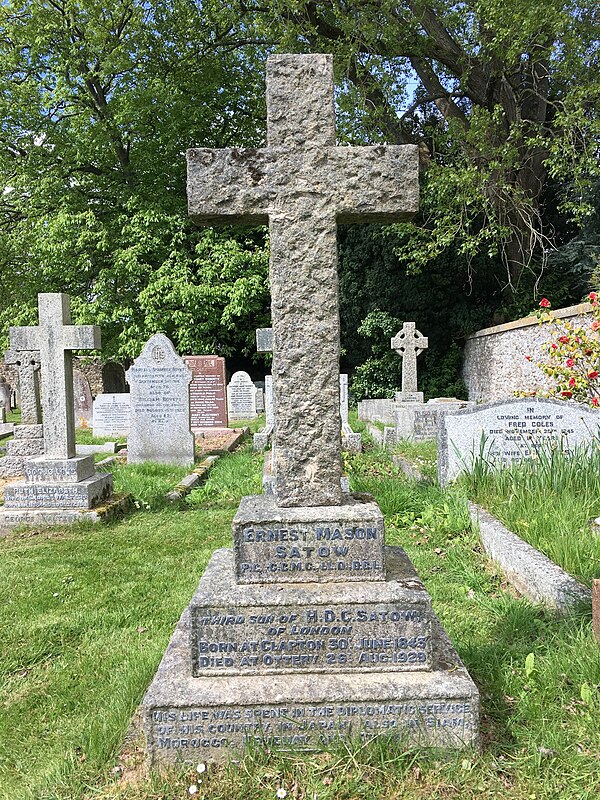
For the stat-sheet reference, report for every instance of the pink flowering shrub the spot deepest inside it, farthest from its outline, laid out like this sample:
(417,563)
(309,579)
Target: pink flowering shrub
(573,355)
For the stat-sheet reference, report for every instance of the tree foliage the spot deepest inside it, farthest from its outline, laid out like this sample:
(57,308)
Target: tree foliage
(100,102)
(507,96)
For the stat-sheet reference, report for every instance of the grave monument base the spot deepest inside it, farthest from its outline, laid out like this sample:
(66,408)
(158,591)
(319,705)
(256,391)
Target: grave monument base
(114,506)
(212,717)
(304,544)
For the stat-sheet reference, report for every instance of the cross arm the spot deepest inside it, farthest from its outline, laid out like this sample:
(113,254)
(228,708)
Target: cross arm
(229,186)
(375,184)
(23,338)
(82,337)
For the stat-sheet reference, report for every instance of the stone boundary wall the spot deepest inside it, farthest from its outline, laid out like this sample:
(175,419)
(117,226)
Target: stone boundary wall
(90,366)
(494,363)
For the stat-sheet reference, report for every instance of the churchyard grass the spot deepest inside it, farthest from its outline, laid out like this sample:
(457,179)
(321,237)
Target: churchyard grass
(86,614)
(549,502)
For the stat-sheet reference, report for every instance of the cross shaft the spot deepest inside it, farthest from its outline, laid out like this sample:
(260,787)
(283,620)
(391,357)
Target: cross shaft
(304,186)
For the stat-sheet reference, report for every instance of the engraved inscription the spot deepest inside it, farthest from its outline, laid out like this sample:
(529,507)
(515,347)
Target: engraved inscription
(371,637)
(208,404)
(341,552)
(306,726)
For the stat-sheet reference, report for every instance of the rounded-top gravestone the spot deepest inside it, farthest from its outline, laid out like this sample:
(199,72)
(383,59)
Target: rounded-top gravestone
(241,397)
(160,406)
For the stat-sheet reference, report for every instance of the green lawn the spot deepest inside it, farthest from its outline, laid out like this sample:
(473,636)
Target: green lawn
(86,613)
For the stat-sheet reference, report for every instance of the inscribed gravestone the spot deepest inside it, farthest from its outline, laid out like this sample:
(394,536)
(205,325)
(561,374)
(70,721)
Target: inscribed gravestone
(28,436)
(82,400)
(260,399)
(159,428)
(58,480)
(111,413)
(241,396)
(208,404)
(506,432)
(309,533)
(409,343)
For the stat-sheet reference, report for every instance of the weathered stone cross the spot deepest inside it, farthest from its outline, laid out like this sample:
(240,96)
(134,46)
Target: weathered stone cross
(55,337)
(409,343)
(304,186)
(28,365)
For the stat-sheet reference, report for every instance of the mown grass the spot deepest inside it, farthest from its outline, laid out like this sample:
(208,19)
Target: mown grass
(86,613)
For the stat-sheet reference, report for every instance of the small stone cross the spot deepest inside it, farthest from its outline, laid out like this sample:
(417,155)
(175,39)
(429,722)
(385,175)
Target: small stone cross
(28,365)
(409,343)
(55,338)
(303,186)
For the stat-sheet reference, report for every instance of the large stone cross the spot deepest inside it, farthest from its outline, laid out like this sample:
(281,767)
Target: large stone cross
(409,343)
(304,186)
(55,338)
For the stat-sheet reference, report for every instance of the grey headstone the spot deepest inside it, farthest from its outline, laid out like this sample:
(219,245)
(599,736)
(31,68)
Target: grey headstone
(241,396)
(260,399)
(160,406)
(409,343)
(82,400)
(111,414)
(5,393)
(28,366)
(264,340)
(511,431)
(308,558)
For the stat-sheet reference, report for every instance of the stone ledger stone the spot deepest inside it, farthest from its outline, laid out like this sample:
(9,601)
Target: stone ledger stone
(213,717)
(160,406)
(511,431)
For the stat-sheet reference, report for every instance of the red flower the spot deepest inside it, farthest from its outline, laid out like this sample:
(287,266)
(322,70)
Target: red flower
(594,401)
(554,346)
(588,352)
(578,340)
(593,374)
(571,382)
(570,362)
(596,324)
(544,303)
(567,394)
(527,358)
(563,339)
(593,296)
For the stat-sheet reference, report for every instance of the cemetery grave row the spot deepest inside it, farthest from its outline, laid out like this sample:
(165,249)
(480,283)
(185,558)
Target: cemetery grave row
(309,594)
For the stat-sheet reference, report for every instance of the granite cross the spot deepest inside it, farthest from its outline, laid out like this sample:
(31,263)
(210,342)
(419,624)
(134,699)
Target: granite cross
(303,186)
(55,337)
(409,343)
(28,365)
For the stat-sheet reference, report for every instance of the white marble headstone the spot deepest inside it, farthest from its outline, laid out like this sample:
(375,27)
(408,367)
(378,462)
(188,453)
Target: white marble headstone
(241,397)
(160,406)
